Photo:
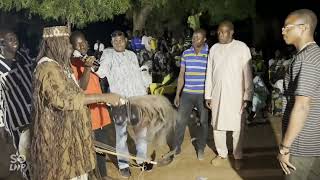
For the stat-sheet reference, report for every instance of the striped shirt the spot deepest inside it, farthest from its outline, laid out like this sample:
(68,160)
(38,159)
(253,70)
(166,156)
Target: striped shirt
(3,68)
(15,93)
(195,73)
(302,79)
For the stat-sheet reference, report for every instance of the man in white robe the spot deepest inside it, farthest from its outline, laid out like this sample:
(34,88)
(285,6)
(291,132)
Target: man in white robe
(228,90)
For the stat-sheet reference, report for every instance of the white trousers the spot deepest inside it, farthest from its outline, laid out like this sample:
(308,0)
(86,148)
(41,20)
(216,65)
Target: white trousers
(220,140)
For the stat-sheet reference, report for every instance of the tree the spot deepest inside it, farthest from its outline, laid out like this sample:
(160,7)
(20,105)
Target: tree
(174,13)
(233,10)
(140,10)
(82,12)
(76,12)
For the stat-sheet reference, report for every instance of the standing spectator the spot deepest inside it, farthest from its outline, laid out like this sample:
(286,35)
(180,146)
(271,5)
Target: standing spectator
(299,153)
(228,91)
(89,82)
(61,146)
(98,48)
(192,79)
(15,91)
(121,68)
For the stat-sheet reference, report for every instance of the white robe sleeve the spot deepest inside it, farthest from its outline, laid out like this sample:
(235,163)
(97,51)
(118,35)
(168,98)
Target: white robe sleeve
(247,76)
(208,82)
(104,67)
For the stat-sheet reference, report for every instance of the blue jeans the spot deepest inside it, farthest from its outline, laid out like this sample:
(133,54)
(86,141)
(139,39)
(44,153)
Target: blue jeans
(122,146)
(307,168)
(187,103)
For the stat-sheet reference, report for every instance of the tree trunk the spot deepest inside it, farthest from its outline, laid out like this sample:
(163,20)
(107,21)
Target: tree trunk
(140,16)
(69,25)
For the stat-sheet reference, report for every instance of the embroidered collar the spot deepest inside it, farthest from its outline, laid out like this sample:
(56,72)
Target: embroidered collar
(66,71)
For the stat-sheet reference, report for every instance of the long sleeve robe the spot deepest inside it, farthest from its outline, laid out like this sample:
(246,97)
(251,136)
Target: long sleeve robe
(62,146)
(228,83)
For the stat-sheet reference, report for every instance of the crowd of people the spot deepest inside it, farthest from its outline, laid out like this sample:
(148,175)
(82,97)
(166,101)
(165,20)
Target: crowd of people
(56,105)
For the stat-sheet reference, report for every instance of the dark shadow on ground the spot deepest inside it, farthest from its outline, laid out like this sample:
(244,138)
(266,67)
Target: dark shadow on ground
(7,149)
(260,149)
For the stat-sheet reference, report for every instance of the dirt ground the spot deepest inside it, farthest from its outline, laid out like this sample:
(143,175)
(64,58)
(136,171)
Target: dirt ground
(260,147)
(6,150)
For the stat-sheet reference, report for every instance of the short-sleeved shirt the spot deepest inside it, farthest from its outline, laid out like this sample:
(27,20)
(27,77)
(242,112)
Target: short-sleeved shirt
(195,73)
(303,79)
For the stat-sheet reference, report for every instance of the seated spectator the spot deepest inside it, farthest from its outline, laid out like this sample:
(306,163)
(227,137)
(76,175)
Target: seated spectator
(136,42)
(98,48)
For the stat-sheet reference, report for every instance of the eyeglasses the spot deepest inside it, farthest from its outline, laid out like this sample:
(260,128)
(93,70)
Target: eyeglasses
(290,26)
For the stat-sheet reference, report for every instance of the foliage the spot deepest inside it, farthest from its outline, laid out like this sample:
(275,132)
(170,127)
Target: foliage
(77,12)
(175,11)
(230,9)
(82,12)
(142,3)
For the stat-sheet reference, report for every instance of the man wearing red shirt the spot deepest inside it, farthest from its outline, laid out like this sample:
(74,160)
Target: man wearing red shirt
(89,82)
